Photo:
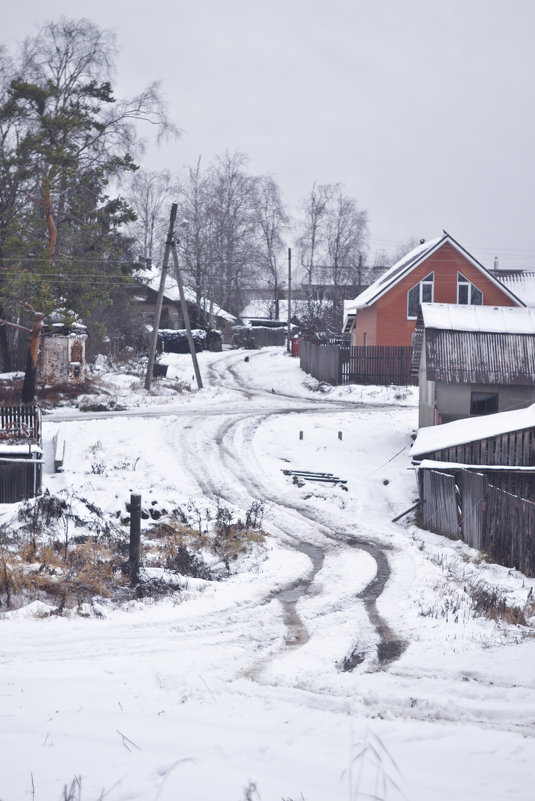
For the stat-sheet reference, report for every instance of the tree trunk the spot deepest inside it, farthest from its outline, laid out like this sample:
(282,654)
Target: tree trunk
(30,376)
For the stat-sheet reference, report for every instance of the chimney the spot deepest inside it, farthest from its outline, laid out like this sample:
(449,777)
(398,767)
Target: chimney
(496,263)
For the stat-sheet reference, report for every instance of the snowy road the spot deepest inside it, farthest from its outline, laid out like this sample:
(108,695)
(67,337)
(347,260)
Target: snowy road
(348,632)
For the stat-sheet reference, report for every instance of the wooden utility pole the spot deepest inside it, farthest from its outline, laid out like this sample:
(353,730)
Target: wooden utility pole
(186,317)
(159,300)
(288,345)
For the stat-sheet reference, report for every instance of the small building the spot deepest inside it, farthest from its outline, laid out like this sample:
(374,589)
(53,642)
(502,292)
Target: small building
(499,446)
(438,271)
(171,316)
(473,360)
(62,351)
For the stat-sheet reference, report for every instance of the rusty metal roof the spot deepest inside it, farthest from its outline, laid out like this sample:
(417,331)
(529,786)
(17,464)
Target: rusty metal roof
(480,357)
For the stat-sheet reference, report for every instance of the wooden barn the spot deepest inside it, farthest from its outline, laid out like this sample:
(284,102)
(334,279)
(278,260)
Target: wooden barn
(473,360)
(476,481)
(20,453)
(438,271)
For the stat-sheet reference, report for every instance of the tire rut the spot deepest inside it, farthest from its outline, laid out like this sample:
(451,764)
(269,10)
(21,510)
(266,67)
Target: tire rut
(389,646)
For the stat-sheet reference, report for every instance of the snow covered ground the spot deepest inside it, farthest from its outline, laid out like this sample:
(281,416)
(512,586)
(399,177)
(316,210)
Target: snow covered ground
(236,690)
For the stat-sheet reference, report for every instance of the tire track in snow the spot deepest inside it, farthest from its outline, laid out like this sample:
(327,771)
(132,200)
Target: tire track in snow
(251,487)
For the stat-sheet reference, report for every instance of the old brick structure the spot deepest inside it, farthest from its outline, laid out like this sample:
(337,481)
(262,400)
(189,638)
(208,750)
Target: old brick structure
(62,359)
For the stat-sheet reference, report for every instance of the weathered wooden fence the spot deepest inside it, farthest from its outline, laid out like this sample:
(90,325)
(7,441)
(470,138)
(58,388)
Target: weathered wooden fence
(381,364)
(324,361)
(345,364)
(20,423)
(20,454)
(464,504)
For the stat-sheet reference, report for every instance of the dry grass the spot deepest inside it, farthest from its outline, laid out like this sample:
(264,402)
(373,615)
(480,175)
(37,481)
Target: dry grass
(73,558)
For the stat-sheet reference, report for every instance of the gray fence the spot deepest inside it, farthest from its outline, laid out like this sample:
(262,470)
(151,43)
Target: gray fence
(19,479)
(464,504)
(345,364)
(324,362)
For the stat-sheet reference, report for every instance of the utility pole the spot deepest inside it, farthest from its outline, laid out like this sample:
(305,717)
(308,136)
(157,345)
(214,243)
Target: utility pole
(288,346)
(159,300)
(186,316)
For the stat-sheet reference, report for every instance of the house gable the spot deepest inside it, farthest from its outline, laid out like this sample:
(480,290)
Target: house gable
(444,266)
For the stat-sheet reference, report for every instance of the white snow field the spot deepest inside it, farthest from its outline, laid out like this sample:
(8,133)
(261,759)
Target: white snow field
(236,689)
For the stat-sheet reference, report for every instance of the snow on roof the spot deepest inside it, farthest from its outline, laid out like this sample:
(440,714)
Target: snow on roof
(485,319)
(25,448)
(399,268)
(521,284)
(171,292)
(471,429)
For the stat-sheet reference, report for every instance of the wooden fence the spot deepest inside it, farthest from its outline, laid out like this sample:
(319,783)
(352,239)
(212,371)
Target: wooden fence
(345,364)
(324,362)
(381,364)
(20,467)
(464,504)
(20,424)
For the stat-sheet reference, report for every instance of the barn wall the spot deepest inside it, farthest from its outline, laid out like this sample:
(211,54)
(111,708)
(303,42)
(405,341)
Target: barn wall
(453,400)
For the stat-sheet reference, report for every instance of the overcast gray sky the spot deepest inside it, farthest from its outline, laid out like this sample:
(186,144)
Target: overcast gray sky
(423,109)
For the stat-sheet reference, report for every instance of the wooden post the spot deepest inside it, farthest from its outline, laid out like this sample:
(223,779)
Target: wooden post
(159,300)
(186,318)
(289,332)
(300,435)
(339,435)
(135,538)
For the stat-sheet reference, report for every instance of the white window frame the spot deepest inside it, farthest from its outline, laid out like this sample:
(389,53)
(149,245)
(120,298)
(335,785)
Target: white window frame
(463,281)
(429,280)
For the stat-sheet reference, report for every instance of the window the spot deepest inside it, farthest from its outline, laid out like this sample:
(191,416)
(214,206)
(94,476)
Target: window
(483,403)
(421,293)
(468,293)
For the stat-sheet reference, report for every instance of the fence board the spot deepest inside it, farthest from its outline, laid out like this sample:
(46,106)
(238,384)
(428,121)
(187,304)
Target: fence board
(473,494)
(440,508)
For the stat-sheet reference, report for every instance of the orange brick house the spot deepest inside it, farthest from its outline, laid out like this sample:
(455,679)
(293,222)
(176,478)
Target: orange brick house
(438,271)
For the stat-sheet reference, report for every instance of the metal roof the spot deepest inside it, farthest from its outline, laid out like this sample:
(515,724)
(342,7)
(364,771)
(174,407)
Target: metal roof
(472,429)
(497,319)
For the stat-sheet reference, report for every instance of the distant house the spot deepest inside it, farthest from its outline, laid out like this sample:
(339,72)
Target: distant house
(473,360)
(438,271)
(171,316)
(520,282)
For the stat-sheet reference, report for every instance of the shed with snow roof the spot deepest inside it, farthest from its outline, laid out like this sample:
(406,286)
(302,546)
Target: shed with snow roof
(499,446)
(202,312)
(438,271)
(474,360)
